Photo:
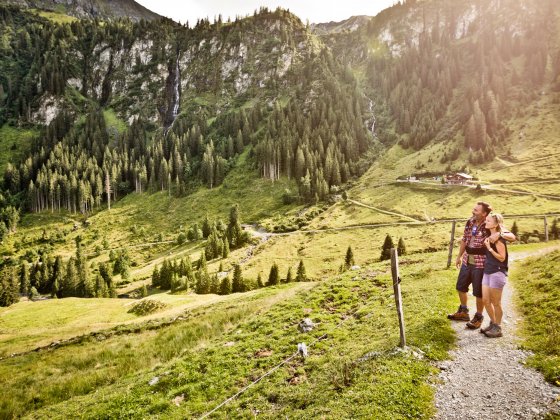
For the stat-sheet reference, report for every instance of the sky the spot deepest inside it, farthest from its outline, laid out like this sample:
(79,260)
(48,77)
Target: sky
(316,11)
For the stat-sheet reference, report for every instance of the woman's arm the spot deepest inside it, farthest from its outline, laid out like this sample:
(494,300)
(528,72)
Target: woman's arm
(500,255)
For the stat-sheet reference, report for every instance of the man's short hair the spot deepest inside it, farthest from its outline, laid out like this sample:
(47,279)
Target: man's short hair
(486,208)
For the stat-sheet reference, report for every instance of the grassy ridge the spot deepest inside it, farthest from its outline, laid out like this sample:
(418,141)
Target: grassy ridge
(537,283)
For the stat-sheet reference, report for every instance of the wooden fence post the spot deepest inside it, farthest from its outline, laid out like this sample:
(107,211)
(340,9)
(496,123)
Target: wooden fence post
(397,292)
(545,229)
(451,243)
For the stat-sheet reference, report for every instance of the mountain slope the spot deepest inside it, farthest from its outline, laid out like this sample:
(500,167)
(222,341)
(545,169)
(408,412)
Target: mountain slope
(92,9)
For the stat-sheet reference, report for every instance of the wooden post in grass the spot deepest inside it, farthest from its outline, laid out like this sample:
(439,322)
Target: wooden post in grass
(545,229)
(451,243)
(397,292)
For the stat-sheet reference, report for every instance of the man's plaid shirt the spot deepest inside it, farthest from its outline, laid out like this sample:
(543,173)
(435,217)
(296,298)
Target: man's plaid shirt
(476,241)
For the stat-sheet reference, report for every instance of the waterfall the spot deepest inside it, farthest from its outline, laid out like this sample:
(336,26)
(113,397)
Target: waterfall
(173,109)
(176,96)
(372,129)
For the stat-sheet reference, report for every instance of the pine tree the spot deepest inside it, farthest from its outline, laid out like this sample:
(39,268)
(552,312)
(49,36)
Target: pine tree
(386,250)
(206,228)
(24,279)
(274,276)
(225,286)
(401,247)
(260,283)
(225,248)
(515,229)
(155,277)
(300,275)
(349,259)
(554,231)
(289,276)
(237,285)
(214,284)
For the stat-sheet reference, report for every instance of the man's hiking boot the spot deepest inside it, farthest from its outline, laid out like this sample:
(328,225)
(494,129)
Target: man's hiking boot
(475,322)
(488,328)
(461,315)
(494,332)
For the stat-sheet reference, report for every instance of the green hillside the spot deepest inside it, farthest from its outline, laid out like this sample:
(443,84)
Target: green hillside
(174,200)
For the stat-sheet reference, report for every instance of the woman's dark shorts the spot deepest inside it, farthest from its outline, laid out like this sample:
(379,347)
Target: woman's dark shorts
(468,275)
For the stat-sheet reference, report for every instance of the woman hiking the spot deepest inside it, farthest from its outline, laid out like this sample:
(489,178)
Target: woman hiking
(495,275)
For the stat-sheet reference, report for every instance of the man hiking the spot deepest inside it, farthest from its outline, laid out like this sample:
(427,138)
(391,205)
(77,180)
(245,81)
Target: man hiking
(471,259)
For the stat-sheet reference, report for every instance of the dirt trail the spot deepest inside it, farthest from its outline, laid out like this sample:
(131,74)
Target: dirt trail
(487,377)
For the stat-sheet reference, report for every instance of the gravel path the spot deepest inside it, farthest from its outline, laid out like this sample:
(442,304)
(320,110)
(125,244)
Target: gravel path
(487,378)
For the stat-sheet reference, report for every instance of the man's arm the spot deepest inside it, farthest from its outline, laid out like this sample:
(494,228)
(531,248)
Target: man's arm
(508,236)
(459,260)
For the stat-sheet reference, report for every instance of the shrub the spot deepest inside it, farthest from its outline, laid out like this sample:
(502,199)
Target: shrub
(146,307)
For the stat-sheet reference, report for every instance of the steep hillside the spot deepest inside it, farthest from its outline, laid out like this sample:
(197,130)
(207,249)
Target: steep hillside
(87,9)
(456,74)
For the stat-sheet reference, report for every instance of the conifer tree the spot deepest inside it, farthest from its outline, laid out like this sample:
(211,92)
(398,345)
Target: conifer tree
(155,277)
(214,284)
(237,284)
(300,275)
(274,276)
(225,248)
(349,259)
(289,276)
(386,249)
(260,283)
(225,286)
(554,231)
(206,228)
(401,247)
(24,279)
(515,229)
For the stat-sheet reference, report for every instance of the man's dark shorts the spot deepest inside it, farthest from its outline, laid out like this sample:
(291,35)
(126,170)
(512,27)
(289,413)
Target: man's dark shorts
(468,275)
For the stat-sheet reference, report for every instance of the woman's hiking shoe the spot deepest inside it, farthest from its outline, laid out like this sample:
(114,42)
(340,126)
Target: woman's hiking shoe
(494,332)
(475,322)
(488,328)
(460,315)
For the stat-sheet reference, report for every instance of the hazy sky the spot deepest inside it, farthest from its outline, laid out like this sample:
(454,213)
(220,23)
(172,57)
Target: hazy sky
(316,11)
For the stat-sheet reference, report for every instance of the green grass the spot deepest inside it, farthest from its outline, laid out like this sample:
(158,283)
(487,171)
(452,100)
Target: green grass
(113,122)
(427,201)
(27,325)
(59,17)
(40,379)
(537,283)
(141,218)
(244,341)
(14,144)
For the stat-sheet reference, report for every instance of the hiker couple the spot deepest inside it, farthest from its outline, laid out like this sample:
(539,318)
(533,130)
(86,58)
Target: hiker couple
(483,262)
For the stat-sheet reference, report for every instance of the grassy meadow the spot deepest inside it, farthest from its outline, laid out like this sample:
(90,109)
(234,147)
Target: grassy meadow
(221,347)
(537,283)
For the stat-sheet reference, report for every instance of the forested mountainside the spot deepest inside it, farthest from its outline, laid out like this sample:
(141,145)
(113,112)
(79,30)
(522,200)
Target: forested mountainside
(455,71)
(91,9)
(185,102)
(190,100)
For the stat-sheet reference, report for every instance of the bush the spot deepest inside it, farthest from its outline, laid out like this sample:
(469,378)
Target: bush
(146,307)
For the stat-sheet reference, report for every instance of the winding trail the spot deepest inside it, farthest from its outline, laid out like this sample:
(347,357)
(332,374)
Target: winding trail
(487,377)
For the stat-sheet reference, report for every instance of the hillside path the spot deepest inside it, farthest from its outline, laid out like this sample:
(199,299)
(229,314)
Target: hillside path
(487,377)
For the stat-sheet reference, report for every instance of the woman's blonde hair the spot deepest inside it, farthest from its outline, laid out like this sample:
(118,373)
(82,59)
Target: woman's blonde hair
(499,219)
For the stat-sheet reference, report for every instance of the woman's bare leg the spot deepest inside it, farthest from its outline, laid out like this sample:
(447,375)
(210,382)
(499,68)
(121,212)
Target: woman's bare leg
(486,291)
(496,303)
